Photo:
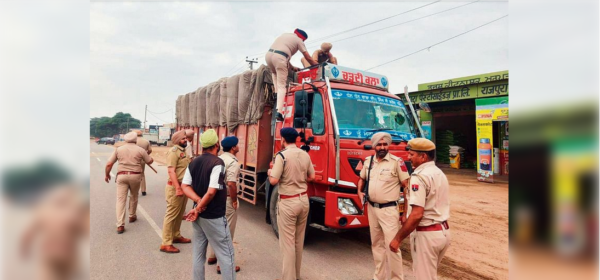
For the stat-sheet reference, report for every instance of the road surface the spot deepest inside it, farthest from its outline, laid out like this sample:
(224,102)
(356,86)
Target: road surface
(135,254)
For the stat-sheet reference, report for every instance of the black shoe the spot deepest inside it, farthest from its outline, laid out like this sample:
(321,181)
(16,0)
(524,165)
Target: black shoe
(279,117)
(144,193)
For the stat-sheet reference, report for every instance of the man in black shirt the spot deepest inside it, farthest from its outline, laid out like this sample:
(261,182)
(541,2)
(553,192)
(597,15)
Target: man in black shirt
(203,183)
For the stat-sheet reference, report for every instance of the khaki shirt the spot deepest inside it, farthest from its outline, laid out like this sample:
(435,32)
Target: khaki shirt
(189,150)
(289,43)
(130,158)
(144,144)
(429,189)
(177,158)
(232,167)
(294,172)
(386,178)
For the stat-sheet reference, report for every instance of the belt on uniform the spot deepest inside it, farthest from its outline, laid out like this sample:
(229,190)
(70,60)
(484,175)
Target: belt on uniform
(434,227)
(128,173)
(383,205)
(279,52)
(171,183)
(283,196)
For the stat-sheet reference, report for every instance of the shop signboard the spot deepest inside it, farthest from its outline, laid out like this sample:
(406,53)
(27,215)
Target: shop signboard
(459,93)
(488,110)
(465,81)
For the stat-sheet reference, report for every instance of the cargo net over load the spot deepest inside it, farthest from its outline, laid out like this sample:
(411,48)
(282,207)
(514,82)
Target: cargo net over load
(229,101)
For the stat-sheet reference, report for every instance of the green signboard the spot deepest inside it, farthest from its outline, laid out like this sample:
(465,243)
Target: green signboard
(458,93)
(465,81)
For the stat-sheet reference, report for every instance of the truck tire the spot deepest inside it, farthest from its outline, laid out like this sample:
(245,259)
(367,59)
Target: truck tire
(273,210)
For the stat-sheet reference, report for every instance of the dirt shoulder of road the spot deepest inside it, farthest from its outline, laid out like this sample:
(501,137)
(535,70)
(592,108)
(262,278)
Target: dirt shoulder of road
(159,153)
(479,228)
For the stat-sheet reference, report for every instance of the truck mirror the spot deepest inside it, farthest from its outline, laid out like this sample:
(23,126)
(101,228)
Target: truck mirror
(301,100)
(425,107)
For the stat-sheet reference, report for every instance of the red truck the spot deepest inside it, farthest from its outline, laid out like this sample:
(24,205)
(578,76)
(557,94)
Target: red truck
(336,110)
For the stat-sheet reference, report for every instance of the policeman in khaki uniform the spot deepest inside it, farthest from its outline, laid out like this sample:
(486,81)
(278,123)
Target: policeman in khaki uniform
(292,170)
(189,148)
(232,173)
(321,55)
(144,144)
(388,173)
(429,211)
(177,163)
(278,60)
(129,177)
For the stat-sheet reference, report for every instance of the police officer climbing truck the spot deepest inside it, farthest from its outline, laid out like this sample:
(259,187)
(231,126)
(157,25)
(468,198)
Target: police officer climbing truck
(335,110)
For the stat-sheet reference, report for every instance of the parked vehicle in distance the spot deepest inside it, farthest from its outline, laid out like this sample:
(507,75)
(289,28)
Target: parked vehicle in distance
(154,139)
(106,141)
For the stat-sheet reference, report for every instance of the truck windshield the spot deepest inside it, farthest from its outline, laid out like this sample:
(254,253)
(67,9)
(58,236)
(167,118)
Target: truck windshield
(361,114)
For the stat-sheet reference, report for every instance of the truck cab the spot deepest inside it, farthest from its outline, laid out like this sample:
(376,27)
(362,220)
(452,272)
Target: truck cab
(336,110)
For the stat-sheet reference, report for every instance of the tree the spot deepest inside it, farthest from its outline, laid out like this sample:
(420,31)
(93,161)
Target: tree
(120,123)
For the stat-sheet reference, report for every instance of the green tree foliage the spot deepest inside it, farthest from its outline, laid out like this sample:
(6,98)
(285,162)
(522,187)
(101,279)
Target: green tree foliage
(109,126)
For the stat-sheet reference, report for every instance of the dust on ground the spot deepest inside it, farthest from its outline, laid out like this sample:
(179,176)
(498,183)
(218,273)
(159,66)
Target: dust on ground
(479,228)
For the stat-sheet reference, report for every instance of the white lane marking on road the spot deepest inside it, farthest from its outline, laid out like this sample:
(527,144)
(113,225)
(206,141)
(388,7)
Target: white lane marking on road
(152,223)
(98,159)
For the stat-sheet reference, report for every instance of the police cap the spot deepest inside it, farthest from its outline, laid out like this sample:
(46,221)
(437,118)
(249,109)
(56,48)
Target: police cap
(229,141)
(421,145)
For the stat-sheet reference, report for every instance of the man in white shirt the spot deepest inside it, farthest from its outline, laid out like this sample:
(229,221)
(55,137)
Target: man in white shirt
(204,183)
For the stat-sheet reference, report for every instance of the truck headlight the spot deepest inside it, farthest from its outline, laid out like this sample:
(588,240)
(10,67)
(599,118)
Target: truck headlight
(346,206)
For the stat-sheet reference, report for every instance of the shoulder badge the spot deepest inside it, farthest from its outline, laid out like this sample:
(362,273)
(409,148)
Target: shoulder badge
(174,149)
(415,187)
(402,165)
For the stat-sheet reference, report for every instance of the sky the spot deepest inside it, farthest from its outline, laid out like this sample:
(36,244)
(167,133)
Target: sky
(149,53)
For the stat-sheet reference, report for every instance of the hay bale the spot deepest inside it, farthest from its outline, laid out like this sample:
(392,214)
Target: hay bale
(178,109)
(231,104)
(244,95)
(223,102)
(201,116)
(193,108)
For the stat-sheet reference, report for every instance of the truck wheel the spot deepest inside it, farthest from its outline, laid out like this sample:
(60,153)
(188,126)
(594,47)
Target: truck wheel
(273,210)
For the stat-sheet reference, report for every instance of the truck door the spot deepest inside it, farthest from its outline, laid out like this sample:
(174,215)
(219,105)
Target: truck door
(315,128)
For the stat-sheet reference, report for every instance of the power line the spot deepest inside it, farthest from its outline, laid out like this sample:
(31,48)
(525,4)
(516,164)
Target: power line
(376,30)
(438,43)
(395,25)
(160,112)
(157,117)
(358,27)
(234,67)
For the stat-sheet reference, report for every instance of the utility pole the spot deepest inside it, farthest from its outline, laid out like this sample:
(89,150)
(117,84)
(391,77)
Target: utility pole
(145,112)
(127,126)
(251,62)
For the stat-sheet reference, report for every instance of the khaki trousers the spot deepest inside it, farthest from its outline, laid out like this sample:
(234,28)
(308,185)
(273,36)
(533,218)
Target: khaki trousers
(131,184)
(231,215)
(143,184)
(278,65)
(173,216)
(292,214)
(427,249)
(384,224)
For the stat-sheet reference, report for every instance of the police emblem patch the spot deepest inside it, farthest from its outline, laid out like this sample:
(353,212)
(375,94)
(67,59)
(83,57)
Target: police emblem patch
(181,155)
(402,165)
(415,187)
